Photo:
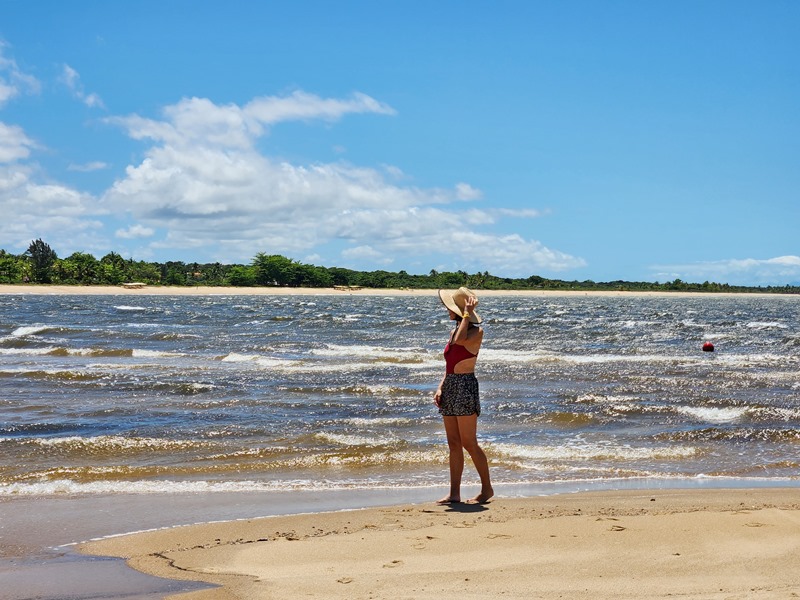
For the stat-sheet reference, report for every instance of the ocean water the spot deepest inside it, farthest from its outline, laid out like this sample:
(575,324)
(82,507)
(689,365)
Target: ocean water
(159,394)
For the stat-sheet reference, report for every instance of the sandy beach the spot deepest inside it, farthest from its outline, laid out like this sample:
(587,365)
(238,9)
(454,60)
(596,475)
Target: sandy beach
(662,544)
(108,290)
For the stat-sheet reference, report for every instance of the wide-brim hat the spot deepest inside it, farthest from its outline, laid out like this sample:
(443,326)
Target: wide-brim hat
(456,301)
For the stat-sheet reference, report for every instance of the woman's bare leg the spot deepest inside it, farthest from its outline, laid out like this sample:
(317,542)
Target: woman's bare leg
(468,433)
(456,448)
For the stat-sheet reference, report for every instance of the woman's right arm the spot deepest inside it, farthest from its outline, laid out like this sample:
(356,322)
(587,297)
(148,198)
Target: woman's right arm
(437,397)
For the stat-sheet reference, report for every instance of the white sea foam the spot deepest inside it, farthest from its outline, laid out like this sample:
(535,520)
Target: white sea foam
(585,451)
(378,421)
(68,487)
(354,367)
(237,357)
(29,330)
(603,398)
(354,440)
(28,351)
(514,356)
(373,352)
(125,307)
(140,353)
(64,487)
(80,351)
(693,323)
(616,404)
(766,325)
(751,359)
(612,358)
(115,442)
(259,360)
(353,318)
(633,324)
(711,414)
(310,365)
(532,356)
(380,389)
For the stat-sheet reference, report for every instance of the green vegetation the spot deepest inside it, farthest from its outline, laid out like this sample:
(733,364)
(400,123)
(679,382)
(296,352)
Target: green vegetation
(40,264)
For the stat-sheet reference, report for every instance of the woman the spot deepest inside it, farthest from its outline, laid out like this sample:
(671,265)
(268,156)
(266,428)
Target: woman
(457,395)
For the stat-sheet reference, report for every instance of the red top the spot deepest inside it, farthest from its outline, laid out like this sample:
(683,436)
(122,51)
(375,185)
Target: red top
(454,354)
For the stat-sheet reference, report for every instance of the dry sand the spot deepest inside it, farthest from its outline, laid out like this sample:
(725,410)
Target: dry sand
(106,290)
(700,544)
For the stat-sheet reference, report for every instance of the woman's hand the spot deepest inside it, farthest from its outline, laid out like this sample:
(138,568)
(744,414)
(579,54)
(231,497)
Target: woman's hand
(470,303)
(437,397)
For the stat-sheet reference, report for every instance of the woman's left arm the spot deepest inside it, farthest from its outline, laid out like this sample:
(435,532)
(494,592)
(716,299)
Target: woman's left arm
(469,337)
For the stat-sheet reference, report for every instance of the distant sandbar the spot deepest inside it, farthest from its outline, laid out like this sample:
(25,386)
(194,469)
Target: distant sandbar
(110,290)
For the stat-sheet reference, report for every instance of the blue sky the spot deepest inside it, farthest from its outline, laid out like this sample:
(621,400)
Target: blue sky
(579,140)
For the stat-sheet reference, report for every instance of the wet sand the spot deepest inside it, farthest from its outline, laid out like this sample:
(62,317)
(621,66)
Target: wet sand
(38,535)
(711,544)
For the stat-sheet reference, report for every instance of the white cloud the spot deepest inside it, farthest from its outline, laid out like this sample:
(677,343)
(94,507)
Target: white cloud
(196,121)
(394,172)
(465,191)
(93,101)
(14,144)
(6,92)
(12,80)
(781,270)
(205,183)
(71,79)
(135,232)
(302,106)
(512,254)
(57,213)
(366,253)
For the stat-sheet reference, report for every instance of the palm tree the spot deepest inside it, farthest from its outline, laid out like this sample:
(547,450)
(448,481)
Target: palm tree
(41,257)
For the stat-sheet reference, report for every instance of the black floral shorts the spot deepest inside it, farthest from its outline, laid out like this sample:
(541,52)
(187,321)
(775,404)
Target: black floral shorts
(460,395)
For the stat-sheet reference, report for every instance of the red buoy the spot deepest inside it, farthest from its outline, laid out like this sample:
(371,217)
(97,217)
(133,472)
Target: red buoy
(708,347)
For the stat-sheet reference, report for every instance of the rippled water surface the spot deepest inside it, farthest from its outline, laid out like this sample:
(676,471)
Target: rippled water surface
(104,394)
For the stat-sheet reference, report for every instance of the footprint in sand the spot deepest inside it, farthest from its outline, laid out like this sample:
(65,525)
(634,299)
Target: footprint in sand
(393,564)
(421,542)
(617,528)
(498,536)
(345,580)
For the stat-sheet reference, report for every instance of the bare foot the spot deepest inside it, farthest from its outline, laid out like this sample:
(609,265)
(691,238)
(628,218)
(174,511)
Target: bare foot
(483,497)
(448,500)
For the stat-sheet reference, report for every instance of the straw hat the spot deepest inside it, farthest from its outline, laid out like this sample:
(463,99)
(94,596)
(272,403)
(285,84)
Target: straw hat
(456,301)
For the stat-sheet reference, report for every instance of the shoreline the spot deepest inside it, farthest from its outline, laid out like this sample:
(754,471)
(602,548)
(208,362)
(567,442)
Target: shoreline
(46,555)
(109,290)
(601,544)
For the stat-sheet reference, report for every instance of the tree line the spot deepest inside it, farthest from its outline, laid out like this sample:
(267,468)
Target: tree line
(40,264)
